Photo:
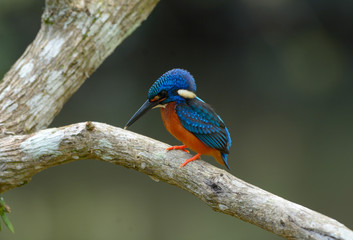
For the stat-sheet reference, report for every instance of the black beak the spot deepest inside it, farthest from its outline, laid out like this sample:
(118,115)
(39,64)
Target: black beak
(143,109)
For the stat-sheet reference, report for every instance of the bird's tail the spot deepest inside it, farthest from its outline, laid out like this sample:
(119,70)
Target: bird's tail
(221,158)
(224,158)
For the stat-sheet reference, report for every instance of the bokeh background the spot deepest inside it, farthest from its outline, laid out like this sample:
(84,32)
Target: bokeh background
(279,72)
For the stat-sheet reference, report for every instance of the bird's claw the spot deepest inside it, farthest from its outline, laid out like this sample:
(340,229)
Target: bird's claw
(178,148)
(197,156)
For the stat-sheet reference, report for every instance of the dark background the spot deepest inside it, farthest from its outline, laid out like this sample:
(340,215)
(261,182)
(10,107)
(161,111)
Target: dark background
(279,72)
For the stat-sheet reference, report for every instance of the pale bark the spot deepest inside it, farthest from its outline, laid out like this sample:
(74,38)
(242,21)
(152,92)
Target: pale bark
(22,156)
(74,39)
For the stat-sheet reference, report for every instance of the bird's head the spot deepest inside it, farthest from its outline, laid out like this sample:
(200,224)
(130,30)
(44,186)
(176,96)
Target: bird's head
(176,85)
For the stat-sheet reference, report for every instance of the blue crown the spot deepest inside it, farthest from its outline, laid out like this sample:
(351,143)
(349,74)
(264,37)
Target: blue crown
(174,79)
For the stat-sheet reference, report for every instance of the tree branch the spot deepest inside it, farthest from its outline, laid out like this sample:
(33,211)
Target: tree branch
(24,155)
(74,39)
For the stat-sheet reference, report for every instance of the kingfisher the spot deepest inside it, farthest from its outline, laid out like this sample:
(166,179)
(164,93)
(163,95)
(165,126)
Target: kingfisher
(188,118)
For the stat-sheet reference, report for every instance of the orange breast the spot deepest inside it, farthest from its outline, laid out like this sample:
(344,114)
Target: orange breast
(173,125)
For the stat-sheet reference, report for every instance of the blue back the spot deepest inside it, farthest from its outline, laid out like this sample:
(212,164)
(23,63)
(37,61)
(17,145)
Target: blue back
(200,119)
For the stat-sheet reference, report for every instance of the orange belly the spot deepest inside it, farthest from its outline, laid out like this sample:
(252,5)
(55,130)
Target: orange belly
(173,125)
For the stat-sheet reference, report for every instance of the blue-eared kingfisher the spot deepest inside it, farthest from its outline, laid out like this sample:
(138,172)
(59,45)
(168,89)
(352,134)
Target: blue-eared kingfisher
(187,117)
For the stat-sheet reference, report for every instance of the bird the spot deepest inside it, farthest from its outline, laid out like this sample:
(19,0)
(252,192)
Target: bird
(188,118)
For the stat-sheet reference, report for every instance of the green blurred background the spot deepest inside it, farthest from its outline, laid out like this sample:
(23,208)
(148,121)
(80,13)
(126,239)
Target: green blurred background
(279,72)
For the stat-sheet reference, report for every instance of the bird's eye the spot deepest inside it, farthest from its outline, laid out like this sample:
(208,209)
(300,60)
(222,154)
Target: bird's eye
(162,94)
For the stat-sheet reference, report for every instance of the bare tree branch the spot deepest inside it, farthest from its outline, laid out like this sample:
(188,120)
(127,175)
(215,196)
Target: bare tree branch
(24,155)
(75,38)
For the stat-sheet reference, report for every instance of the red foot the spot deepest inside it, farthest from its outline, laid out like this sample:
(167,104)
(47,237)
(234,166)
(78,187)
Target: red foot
(182,147)
(197,156)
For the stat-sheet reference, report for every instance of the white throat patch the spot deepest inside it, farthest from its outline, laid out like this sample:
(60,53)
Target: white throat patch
(186,93)
(160,106)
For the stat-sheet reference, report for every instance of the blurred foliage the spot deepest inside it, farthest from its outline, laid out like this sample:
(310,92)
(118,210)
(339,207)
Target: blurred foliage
(4,209)
(279,72)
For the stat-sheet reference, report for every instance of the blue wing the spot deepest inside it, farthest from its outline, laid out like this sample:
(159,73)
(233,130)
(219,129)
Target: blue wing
(199,118)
